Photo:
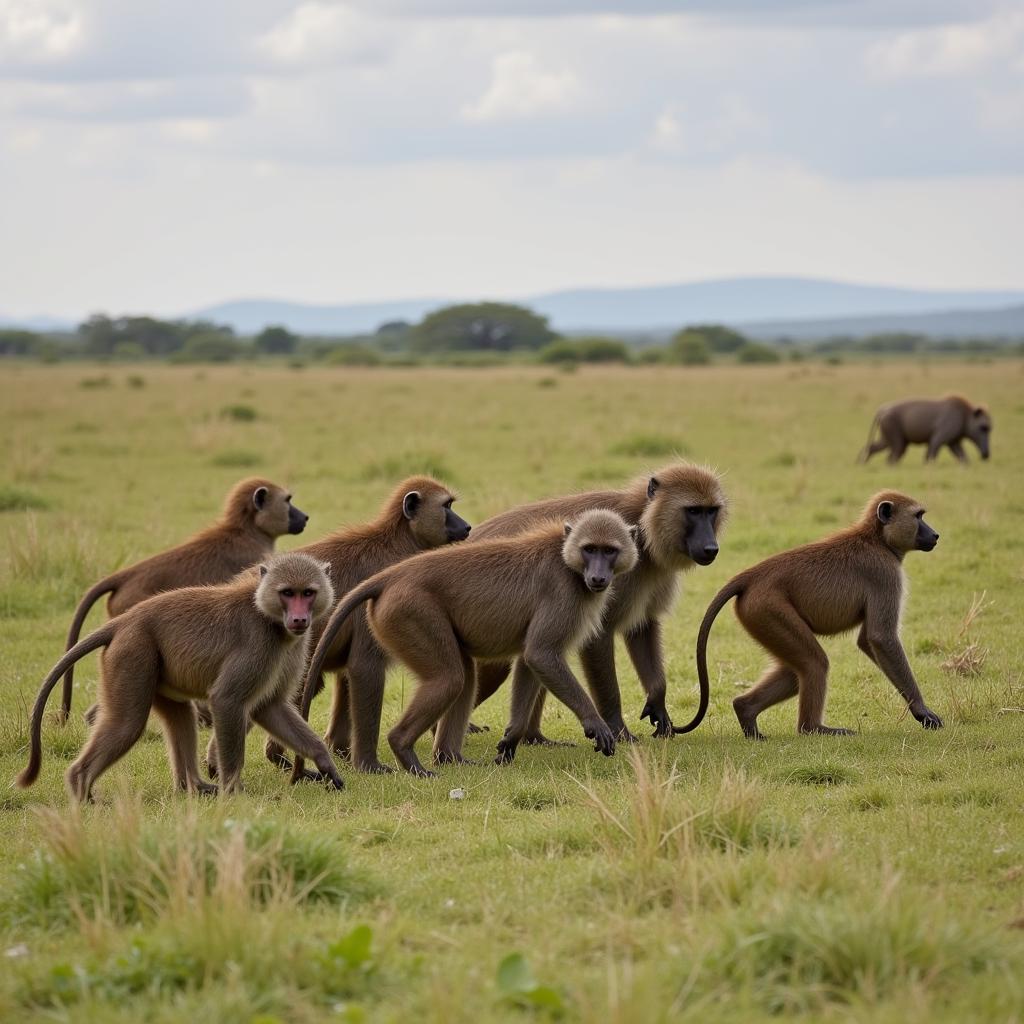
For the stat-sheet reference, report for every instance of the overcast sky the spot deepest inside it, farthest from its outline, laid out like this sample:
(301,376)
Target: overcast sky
(161,156)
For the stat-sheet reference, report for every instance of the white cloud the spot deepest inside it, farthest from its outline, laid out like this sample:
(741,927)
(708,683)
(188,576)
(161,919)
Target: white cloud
(520,88)
(39,29)
(954,49)
(320,32)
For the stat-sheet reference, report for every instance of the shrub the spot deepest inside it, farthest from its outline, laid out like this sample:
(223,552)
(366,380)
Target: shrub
(241,413)
(585,350)
(352,355)
(755,352)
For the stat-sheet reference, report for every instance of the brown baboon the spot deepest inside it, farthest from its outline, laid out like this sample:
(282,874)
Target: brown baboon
(539,594)
(240,646)
(416,517)
(935,422)
(680,510)
(853,578)
(255,514)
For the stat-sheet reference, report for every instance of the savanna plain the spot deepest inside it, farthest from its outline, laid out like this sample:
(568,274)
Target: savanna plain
(874,877)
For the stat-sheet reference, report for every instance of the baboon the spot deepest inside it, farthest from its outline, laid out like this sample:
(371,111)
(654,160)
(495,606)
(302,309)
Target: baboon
(538,595)
(935,422)
(240,646)
(853,578)
(416,517)
(681,509)
(255,514)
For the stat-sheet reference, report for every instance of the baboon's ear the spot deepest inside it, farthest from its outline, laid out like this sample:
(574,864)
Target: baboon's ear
(568,529)
(652,485)
(263,570)
(886,510)
(326,566)
(411,504)
(259,496)
(634,532)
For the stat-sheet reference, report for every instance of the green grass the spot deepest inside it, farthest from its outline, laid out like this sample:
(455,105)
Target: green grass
(873,877)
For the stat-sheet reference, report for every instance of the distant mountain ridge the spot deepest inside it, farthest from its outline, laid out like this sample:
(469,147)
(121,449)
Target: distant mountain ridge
(1007,323)
(655,308)
(797,307)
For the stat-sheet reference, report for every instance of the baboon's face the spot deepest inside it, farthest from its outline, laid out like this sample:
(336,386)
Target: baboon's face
(431,518)
(699,539)
(275,513)
(296,589)
(903,525)
(599,547)
(685,513)
(979,429)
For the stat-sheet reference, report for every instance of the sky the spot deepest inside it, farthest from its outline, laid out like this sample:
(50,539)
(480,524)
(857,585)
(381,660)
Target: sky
(159,157)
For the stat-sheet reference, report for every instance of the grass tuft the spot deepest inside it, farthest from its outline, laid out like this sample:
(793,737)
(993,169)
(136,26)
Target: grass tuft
(802,954)
(13,499)
(662,820)
(239,413)
(967,661)
(132,870)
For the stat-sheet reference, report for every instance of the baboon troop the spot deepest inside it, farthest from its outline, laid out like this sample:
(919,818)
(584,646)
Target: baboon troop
(256,512)
(240,646)
(220,619)
(935,422)
(538,594)
(853,578)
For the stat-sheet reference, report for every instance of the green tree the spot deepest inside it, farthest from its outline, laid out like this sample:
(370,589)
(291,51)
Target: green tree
(275,340)
(720,338)
(15,342)
(690,348)
(99,335)
(481,327)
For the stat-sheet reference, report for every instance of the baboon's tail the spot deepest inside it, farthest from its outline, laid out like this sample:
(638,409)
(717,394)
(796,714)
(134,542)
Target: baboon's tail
(866,451)
(92,595)
(100,638)
(732,589)
(366,591)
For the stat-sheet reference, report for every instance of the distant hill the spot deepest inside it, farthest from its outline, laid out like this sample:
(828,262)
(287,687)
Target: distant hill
(796,307)
(658,308)
(249,316)
(1005,323)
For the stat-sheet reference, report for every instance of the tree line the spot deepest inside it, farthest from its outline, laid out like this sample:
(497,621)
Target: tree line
(464,334)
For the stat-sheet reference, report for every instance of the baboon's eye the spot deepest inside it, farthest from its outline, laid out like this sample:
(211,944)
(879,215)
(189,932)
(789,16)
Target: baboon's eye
(589,549)
(448,503)
(288,497)
(309,592)
(609,551)
(919,513)
(287,592)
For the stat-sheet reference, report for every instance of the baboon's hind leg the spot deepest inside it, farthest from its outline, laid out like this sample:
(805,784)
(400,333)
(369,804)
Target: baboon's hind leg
(179,724)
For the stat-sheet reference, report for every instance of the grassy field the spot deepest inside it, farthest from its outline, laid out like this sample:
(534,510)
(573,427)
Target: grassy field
(874,877)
